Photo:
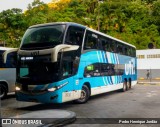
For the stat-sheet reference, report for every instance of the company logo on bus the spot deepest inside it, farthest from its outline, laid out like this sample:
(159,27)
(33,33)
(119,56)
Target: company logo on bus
(130,67)
(36,53)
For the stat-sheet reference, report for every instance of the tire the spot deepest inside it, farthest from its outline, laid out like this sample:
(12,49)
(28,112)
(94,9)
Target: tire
(3,91)
(129,84)
(124,86)
(85,94)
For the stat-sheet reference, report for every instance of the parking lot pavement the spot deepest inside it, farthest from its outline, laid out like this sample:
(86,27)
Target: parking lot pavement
(142,101)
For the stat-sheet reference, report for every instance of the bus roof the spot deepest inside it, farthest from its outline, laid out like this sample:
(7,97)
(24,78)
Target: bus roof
(76,24)
(58,23)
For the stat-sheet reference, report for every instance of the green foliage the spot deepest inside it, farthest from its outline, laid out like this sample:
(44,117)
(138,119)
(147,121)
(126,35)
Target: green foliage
(12,27)
(134,21)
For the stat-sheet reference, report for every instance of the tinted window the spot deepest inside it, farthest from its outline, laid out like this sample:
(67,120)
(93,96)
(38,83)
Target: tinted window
(43,37)
(119,48)
(92,70)
(127,50)
(91,41)
(133,52)
(107,69)
(107,44)
(103,69)
(74,36)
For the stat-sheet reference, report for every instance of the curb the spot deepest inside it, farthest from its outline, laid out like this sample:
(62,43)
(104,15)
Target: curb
(62,121)
(149,83)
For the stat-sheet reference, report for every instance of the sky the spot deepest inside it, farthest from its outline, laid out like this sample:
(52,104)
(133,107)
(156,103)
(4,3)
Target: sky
(22,4)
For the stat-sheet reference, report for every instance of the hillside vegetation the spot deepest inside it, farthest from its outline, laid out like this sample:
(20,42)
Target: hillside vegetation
(134,21)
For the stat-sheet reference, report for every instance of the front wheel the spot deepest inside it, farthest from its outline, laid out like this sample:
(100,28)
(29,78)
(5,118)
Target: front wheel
(3,91)
(85,94)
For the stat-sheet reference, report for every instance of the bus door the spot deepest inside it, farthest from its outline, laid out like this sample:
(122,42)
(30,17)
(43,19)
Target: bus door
(67,72)
(70,60)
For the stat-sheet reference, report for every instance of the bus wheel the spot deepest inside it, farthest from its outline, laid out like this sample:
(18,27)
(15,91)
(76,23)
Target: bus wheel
(127,86)
(130,85)
(85,93)
(124,86)
(3,91)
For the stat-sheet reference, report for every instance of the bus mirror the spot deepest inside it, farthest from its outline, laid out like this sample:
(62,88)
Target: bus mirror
(62,48)
(7,52)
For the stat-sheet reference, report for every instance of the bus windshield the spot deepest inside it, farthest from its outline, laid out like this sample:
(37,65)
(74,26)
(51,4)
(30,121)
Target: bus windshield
(43,37)
(36,72)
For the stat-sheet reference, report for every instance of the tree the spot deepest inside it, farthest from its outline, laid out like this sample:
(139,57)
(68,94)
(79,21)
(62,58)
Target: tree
(36,13)
(12,25)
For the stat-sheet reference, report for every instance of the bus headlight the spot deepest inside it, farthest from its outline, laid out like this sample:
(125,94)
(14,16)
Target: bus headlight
(52,89)
(18,88)
(58,87)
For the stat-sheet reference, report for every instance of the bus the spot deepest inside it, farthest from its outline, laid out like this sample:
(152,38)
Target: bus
(65,61)
(8,60)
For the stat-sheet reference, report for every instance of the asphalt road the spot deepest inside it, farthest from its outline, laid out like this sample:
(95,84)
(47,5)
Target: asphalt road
(142,101)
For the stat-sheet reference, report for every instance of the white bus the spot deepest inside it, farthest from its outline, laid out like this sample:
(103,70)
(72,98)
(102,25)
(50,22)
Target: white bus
(8,58)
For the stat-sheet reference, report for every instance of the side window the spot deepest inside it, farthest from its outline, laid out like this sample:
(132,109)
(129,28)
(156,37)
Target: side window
(112,47)
(92,70)
(91,41)
(107,44)
(101,69)
(120,48)
(133,52)
(107,69)
(119,69)
(112,69)
(126,51)
(74,36)
(104,43)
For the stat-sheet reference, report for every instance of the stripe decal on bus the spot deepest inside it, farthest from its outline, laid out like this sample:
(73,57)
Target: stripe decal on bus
(112,80)
(98,57)
(106,57)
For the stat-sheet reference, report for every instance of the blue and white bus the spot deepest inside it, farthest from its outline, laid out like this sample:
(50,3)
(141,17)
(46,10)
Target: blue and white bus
(60,62)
